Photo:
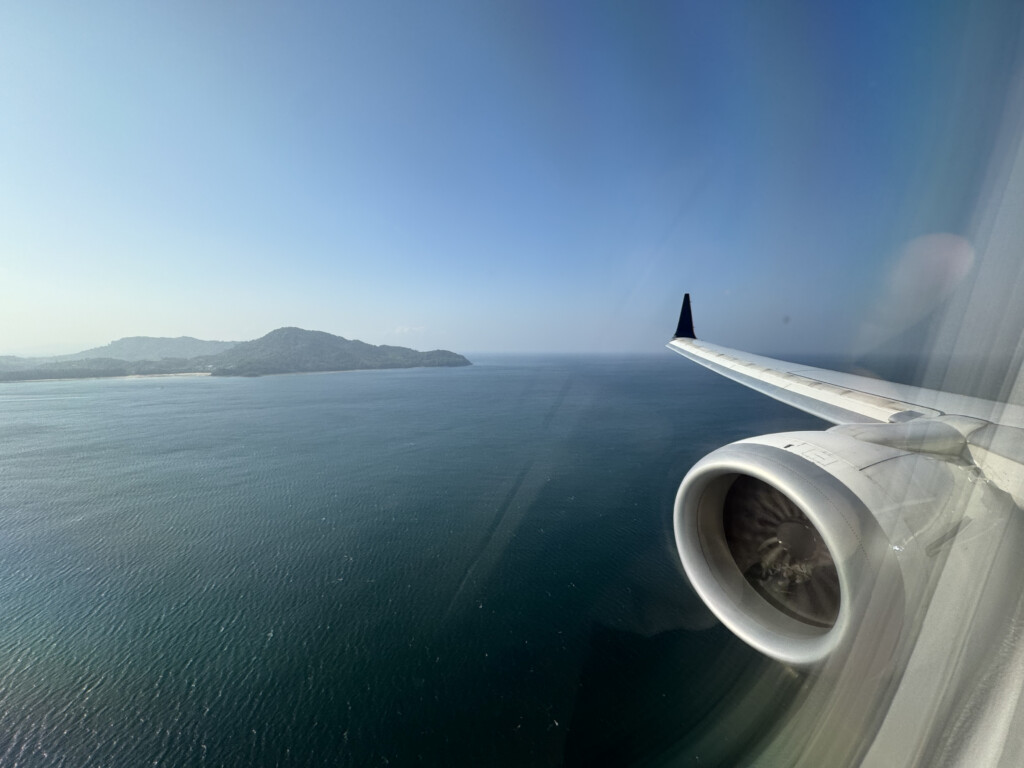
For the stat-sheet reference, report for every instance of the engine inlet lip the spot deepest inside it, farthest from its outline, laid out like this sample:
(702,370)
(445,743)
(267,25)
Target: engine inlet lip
(846,526)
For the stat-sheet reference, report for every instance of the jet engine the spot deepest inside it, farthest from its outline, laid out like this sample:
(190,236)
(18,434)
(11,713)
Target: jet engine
(810,544)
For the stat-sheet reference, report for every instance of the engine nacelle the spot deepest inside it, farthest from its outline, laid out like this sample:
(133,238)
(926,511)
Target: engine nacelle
(809,544)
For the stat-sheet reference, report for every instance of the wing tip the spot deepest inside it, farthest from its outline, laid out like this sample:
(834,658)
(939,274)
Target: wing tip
(684,328)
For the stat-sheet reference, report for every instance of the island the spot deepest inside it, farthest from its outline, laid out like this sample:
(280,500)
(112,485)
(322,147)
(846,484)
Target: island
(286,350)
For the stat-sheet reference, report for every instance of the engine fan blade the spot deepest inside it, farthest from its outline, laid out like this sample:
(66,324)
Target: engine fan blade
(780,552)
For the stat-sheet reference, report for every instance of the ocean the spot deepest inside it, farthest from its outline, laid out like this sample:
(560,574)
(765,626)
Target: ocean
(465,566)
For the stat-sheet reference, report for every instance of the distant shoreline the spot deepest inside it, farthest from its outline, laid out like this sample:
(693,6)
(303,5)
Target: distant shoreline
(97,378)
(207,373)
(285,350)
(157,375)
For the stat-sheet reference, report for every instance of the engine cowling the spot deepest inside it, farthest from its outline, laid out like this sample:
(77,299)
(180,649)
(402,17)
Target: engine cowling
(811,544)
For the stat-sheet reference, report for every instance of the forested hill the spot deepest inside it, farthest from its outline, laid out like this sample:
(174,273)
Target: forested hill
(293,350)
(154,348)
(286,350)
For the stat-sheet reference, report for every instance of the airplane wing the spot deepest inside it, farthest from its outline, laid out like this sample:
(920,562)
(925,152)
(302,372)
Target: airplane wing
(841,398)
(872,557)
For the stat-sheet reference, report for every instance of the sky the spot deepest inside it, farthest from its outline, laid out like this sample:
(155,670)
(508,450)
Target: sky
(496,176)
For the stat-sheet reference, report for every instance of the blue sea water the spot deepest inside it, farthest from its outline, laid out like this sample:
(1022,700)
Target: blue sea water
(467,566)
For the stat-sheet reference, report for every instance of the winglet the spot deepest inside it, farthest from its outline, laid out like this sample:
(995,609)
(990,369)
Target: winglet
(685,328)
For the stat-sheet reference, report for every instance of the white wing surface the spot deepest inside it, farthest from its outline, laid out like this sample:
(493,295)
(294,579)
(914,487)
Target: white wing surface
(841,398)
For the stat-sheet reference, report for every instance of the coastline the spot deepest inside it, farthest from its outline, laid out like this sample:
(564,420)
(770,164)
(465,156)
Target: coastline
(95,378)
(154,375)
(189,374)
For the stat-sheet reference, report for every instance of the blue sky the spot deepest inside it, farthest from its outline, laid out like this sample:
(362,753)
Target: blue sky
(483,176)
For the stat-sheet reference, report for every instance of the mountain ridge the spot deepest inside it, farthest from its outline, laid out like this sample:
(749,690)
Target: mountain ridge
(283,350)
(153,348)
